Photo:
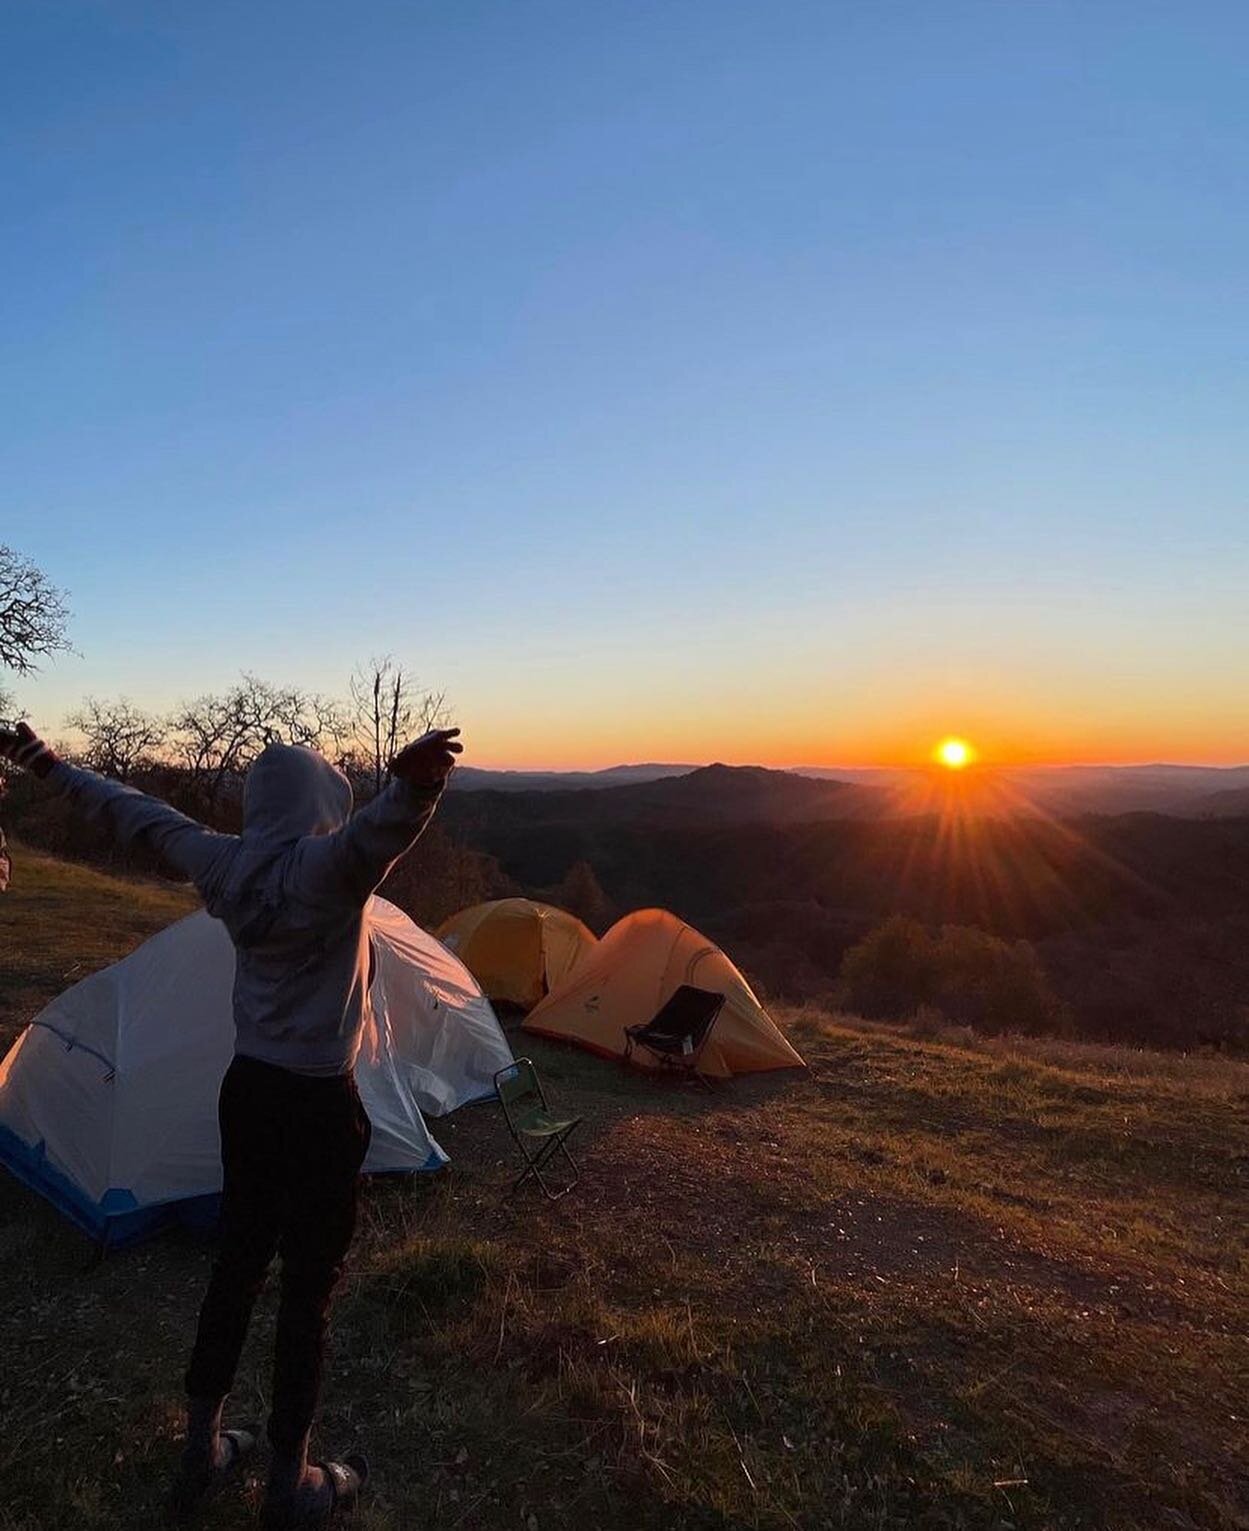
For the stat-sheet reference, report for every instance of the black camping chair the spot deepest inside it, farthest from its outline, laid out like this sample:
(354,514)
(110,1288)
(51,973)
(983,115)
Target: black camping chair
(677,1036)
(539,1135)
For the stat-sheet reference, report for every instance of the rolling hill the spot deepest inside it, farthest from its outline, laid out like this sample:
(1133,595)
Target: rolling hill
(714,794)
(1142,920)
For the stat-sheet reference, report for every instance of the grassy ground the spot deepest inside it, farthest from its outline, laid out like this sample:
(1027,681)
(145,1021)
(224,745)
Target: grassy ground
(936,1282)
(59,922)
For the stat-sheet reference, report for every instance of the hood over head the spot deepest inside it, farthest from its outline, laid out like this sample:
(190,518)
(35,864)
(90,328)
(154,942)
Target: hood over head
(291,791)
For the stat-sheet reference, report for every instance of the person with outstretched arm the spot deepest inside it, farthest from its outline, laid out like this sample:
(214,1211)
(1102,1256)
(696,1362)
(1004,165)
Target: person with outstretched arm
(6,866)
(291,890)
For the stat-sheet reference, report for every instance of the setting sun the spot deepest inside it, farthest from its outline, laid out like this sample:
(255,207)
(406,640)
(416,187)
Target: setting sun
(954,754)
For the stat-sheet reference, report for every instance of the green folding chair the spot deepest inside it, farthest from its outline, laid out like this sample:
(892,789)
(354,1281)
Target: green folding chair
(538,1134)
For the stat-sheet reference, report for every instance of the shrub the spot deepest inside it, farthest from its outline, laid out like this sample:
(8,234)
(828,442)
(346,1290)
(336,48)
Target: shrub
(892,971)
(581,894)
(966,975)
(994,985)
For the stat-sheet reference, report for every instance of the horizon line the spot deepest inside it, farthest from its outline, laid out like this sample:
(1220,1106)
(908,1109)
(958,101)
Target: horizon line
(980,766)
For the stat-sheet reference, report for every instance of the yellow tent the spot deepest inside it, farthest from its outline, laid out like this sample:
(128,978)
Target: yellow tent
(516,949)
(634,970)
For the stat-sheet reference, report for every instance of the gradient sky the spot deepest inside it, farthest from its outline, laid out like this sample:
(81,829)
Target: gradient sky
(773,382)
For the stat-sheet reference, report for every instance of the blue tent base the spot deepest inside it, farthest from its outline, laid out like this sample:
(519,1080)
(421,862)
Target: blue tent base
(117,1219)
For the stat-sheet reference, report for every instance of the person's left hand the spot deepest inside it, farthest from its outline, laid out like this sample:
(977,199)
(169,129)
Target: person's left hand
(427,761)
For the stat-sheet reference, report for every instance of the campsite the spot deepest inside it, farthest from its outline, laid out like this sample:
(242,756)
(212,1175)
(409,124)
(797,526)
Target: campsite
(932,1280)
(624,766)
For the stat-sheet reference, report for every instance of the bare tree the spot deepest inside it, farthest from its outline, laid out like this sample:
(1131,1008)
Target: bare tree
(388,707)
(287,715)
(120,737)
(216,737)
(33,614)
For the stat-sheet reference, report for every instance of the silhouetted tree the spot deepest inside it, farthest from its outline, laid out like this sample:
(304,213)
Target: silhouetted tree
(388,708)
(120,737)
(33,614)
(216,737)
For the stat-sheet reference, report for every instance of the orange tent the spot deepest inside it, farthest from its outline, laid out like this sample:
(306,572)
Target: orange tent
(516,949)
(634,970)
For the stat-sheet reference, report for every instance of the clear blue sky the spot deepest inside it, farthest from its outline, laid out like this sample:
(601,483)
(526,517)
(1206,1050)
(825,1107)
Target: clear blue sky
(776,382)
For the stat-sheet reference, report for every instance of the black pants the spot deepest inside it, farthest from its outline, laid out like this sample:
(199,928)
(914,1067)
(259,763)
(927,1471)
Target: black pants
(291,1148)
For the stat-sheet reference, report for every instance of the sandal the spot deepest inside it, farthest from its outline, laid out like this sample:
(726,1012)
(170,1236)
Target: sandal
(345,1479)
(191,1490)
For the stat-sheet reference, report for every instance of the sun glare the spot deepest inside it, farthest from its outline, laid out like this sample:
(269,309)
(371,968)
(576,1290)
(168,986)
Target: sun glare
(954,754)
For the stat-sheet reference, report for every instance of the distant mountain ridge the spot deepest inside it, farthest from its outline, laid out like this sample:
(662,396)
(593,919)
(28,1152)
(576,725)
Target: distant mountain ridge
(731,792)
(1180,790)
(742,794)
(476,779)
(714,795)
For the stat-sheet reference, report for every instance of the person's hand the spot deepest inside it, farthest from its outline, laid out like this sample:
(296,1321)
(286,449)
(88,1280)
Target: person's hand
(23,747)
(427,761)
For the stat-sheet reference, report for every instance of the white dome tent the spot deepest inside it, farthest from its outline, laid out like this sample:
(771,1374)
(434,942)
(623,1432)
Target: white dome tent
(108,1099)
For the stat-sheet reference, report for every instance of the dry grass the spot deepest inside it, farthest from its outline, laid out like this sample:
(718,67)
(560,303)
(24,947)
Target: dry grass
(1207,1071)
(59,922)
(933,1283)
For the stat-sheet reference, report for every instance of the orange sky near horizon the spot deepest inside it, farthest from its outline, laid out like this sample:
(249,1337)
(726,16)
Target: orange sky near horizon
(557,715)
(877,687)
(500,733)
(801,697)
(898,748)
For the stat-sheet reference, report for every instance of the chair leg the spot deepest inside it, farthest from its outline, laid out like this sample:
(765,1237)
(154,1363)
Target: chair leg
(540,1178)
(533,1166)
(572,1163)
(560,1146)
(684,1068)
(524,1175)
(536,1163)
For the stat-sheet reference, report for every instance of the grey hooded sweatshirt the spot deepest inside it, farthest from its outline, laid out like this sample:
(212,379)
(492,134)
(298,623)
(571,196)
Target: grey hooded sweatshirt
(291,890)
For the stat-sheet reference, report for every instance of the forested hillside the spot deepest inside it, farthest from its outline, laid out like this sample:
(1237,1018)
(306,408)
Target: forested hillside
(1141,921)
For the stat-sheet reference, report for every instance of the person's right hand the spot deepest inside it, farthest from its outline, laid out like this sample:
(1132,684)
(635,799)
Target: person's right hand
(427,761)
(25,748)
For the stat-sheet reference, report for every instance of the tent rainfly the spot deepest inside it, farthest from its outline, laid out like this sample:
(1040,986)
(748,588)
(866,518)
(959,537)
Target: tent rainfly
(516,949)
(634,970)
(108,1099)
